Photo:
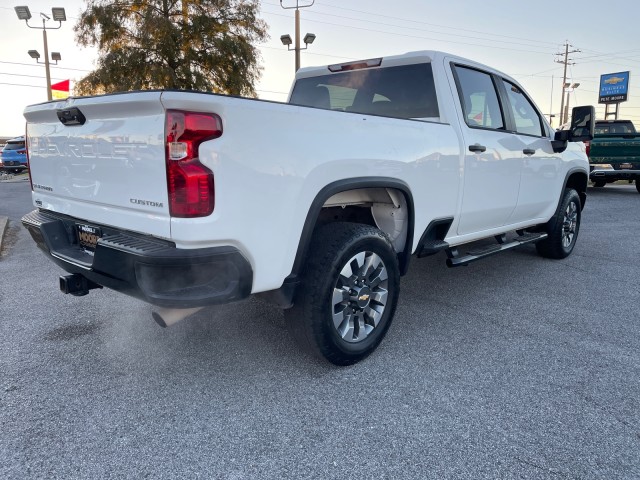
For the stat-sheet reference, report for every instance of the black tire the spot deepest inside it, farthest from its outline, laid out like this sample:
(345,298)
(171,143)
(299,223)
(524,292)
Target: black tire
(343,306)
(563,227)
(599,183)
(638,185)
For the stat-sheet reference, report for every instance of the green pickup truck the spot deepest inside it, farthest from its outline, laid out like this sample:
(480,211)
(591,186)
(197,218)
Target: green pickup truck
(614,153)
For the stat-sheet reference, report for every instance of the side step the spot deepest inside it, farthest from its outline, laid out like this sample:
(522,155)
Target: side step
(456,260)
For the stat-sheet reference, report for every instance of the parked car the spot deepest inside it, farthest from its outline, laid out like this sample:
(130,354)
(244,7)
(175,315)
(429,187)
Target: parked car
(13,157)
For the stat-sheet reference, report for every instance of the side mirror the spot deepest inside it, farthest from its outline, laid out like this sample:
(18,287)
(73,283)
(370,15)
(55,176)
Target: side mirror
(583,121)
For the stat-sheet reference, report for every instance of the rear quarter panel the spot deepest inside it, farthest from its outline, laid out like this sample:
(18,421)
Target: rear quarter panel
(273,159)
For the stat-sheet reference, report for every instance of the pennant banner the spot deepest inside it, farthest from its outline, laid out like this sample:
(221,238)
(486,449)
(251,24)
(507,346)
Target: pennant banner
(60,89)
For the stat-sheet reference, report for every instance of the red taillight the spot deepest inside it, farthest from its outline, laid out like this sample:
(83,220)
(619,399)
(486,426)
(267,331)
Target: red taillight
(587,146)
(189,182)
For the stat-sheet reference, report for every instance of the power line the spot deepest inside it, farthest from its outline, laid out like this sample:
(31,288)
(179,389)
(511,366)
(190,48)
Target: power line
(422,29)
(535,41)
(413,36)
(29,76)
(23,85)
(38,65)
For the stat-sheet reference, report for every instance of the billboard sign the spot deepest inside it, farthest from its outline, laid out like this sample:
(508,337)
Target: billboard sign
(614,87)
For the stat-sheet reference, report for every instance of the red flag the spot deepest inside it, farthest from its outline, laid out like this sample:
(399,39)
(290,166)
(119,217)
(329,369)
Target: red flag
(60,89)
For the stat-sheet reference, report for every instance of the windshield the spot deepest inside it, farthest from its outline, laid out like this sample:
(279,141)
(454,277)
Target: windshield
(406,91)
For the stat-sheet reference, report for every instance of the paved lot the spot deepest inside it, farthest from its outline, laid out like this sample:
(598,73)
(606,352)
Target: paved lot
(514,367)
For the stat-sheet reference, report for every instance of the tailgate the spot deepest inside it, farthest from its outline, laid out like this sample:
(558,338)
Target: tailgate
(108,168)
(615,149)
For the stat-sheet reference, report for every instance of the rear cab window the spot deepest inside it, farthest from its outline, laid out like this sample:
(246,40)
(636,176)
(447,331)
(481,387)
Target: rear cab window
(621,128)
(12,145)
(479,99)
(405,91)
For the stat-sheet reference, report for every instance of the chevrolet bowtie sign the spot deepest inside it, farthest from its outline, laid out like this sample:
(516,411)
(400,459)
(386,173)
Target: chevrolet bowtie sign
(614,87)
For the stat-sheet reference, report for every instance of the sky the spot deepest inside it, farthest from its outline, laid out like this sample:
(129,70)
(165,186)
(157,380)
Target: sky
(520,38)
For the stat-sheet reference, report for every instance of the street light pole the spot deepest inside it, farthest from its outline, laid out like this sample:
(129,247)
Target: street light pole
(308,38)
(570,89)
(59,16)
(297,39)
(46,59)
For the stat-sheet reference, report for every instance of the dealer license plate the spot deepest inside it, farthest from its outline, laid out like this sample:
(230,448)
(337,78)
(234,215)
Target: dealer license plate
(88,236)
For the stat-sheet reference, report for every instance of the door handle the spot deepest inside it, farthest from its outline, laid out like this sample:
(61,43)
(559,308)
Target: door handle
(529,151)
(477,148)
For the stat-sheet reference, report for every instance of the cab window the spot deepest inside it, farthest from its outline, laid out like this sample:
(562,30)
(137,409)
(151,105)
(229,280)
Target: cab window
(479,99)
(526,117)
(405,91)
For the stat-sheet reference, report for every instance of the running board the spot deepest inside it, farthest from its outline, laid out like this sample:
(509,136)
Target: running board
(456,260)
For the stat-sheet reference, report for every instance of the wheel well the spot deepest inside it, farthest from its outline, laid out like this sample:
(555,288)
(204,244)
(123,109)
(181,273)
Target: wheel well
(383,208)
(385,203)
(578,181)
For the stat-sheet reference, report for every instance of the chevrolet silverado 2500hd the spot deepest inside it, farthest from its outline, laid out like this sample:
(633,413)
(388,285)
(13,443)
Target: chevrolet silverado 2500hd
(186,199)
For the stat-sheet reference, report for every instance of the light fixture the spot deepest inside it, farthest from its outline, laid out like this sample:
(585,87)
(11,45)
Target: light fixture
(575,85)
(23,12)
(286,40)
(308,38)
(567,85)
(59,14)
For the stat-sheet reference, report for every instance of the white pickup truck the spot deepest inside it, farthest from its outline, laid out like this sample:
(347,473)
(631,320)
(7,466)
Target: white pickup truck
(188,199)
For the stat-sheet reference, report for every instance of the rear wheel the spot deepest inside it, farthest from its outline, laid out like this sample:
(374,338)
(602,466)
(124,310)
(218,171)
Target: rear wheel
(599,183)
(562,228)
(638,185)
(348,294)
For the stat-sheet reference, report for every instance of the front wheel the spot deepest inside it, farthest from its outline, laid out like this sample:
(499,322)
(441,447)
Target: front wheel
(599,183)
(348,294)
(562,228)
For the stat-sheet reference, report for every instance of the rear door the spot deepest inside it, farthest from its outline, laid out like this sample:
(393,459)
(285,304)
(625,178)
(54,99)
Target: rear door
(493,156)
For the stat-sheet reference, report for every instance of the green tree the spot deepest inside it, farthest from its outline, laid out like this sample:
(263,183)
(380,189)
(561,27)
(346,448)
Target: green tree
(206,45)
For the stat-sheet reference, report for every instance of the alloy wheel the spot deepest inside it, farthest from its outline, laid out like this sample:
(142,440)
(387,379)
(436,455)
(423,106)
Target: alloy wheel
(360,296)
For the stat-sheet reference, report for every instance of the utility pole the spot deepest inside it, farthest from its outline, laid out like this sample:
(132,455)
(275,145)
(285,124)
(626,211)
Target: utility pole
(566,61)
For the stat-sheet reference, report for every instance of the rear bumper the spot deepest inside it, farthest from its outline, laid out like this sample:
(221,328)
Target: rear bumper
(150,269)
(10,165)
(613,175)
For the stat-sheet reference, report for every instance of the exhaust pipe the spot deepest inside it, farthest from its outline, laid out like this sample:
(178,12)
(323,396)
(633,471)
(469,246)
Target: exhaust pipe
(165,317)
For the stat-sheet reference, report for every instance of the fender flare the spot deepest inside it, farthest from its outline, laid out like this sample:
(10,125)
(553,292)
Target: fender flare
(581,192)
(284,296)
(342,186)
